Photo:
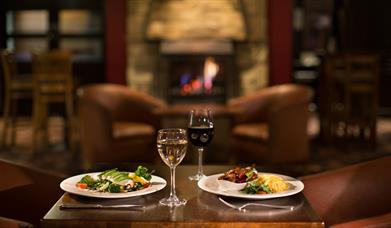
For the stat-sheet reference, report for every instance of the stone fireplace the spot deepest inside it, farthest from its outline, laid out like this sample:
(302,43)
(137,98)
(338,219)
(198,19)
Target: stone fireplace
(197,51)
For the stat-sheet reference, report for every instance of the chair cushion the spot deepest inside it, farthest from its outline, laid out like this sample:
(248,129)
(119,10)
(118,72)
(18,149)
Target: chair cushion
(132,129)
(252,131)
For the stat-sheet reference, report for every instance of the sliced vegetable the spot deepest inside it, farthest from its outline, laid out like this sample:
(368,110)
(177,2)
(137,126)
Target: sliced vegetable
(107,173)
(82,185)
(88,180)
(103,186)
(114,188)
(249,175)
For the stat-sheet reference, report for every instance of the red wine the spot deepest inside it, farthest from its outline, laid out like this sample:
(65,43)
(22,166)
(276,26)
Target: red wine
(200,136)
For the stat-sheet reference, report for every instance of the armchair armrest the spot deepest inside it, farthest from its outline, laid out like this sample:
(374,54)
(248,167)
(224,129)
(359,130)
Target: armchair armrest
(122,103)
(351,193)
(375,221)
(266,102)
(13,223)
(26,193)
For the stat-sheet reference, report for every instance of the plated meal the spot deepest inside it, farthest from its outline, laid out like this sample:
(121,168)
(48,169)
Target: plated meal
(248,183)
(114,183)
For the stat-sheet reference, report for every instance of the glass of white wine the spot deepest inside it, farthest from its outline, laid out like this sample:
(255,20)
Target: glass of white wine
(172,147)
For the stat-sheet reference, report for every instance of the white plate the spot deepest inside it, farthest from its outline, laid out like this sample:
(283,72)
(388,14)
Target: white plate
(210,184)
(69,185)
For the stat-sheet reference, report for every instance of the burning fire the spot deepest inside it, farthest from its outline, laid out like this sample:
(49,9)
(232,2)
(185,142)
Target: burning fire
(203,83)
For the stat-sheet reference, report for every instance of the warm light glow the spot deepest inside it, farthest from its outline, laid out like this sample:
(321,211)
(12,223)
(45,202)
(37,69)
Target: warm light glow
(210,71)
(202,83)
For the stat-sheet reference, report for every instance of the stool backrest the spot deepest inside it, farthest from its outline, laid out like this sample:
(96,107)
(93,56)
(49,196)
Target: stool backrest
(53,73)
(363,68)
(8,64)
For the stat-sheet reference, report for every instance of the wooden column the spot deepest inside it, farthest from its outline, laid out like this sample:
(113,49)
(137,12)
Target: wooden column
(280,41)
(115,41)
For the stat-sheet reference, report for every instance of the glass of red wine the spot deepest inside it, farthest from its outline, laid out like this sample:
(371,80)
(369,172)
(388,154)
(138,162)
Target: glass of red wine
(200,132)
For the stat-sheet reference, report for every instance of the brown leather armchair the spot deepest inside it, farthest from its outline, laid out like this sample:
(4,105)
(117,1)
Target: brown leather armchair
(272,125)
(354,196)
(13,223)
(26,194)
(117,124)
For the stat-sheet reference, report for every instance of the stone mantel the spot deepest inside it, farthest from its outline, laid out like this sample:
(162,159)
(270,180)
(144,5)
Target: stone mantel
(197,47)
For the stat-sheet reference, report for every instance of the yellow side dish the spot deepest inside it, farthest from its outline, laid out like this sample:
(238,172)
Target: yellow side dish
(275,183)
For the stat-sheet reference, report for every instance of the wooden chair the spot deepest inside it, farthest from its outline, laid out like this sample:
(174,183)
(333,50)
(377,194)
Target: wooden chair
(53,83)
(362,94)
(16,87)
(350,96)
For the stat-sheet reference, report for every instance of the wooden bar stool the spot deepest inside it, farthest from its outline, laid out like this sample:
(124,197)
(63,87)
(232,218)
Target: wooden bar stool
(16,87)
(351,104)
(53,83)
(362,94)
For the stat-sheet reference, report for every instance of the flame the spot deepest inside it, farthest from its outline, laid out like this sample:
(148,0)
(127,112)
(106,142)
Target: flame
(202,83)
(211,68)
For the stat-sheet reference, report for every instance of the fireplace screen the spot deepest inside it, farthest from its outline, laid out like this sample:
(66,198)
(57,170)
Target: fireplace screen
(198,78)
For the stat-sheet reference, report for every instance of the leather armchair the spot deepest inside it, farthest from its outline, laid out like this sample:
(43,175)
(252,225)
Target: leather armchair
(26,194)
(354,196)
(272,125)
(13,223)
(117,124)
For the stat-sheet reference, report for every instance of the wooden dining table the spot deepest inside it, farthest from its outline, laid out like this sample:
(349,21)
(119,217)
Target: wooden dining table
(203,209)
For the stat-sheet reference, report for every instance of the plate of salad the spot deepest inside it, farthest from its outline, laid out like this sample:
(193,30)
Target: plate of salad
(253,185)
(114,183)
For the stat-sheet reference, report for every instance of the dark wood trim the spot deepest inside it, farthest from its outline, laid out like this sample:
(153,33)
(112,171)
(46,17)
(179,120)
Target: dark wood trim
(115,40)
(280,35)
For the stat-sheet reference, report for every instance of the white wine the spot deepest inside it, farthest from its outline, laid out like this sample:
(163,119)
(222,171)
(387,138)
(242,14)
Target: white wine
(172,151)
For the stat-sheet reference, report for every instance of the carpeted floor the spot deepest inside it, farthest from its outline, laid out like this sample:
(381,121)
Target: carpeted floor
(57,158)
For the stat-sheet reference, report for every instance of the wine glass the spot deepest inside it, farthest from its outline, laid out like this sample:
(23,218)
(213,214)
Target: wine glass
(200,132)
(172,146)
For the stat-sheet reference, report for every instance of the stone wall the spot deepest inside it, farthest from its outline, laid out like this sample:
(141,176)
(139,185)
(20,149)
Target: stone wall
(250,41)
(142,56)
(252,56)
(192,19)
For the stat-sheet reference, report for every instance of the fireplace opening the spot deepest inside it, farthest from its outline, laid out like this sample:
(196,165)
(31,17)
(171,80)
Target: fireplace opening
(200,78)
(198,71)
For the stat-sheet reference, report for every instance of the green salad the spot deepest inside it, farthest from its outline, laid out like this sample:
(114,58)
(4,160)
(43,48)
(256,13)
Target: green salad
(115,181)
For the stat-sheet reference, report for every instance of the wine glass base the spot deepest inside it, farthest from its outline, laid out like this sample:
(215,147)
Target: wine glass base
(172,201)
(196,177)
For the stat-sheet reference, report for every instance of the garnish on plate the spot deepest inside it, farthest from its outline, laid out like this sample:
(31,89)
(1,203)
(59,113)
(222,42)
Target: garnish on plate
(115,181)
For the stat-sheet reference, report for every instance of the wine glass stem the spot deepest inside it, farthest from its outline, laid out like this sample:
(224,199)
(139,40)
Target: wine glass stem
(172,192)
(200,152)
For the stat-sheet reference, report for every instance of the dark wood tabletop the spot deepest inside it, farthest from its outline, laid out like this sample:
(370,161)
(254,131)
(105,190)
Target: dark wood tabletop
(202,208)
